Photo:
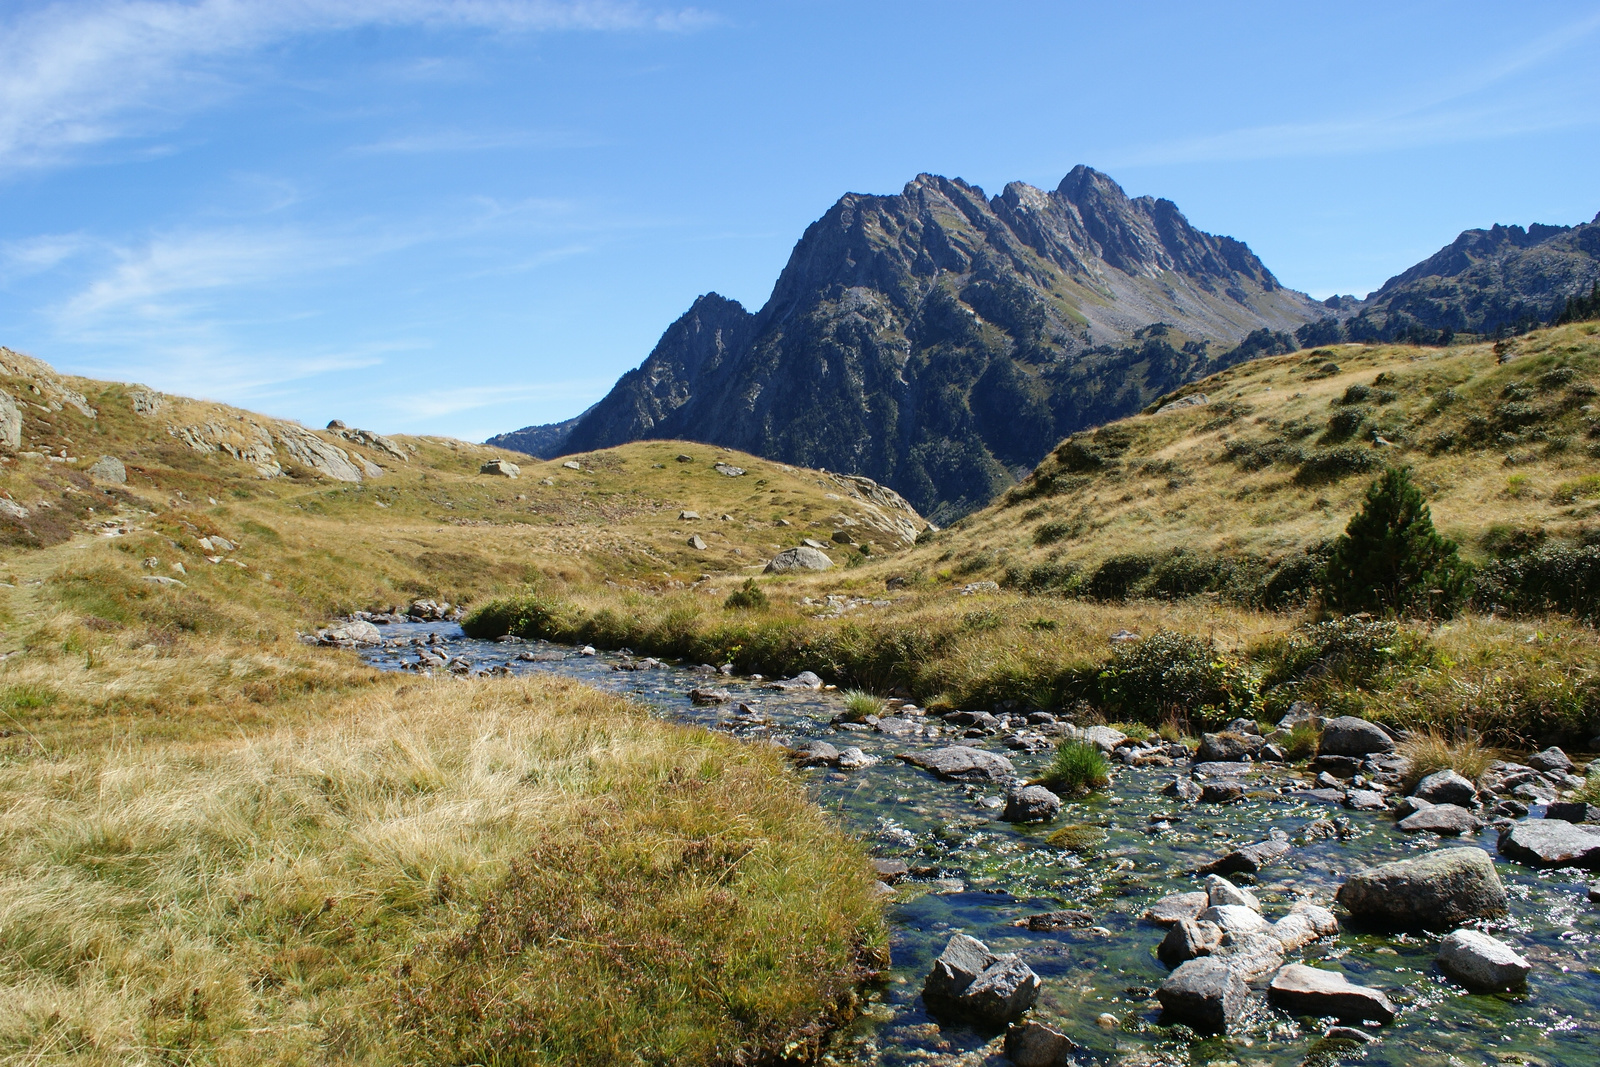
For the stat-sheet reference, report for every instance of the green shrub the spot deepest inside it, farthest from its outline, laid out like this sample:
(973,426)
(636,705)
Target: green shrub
(1170,673)
(1115,578)
(1343,424)
(1050,532)
(1331,464)
(1559,576)
(1351,651)
(1301,742)
(1078,767)
(1391,559)
(1061,579)
(1182,573)
(748,596)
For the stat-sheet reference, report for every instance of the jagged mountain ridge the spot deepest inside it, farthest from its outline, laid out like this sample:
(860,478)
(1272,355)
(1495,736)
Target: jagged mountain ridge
(1502,279)
(941,341)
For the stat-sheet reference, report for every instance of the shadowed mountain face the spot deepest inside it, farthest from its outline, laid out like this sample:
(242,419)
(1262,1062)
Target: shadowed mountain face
(941,341)
(1504,278)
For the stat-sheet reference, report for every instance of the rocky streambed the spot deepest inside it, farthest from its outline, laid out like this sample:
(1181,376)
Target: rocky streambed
(1203,912)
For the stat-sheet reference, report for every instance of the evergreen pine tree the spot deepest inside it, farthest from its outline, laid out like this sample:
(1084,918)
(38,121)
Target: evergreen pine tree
(1391,559)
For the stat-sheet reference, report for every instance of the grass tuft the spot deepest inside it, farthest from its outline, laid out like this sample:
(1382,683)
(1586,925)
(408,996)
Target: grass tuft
(1430,751)
(1079,767)
(858,704)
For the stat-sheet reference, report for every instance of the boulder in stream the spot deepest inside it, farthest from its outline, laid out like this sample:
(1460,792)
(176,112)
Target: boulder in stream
(1189,939)
(1350,736)
(1033,1044)
(969,980)
(963,764)
(1176,907)
(1446,787)
(1446,820)
(1203,993)
(1551,843)
(1480,962)
(1251,858)
(1303,990)
(1441,889)
(1551,759)
(1228,747)
(1220,891)
(1031,803)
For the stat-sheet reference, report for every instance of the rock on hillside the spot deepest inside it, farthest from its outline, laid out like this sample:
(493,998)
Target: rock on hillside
(941,340)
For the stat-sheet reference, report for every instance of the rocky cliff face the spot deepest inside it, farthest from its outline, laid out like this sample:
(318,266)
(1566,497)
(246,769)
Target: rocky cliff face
(1504,278)
(941,341)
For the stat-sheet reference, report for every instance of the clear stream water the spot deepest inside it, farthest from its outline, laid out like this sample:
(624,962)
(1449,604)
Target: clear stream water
(976,874)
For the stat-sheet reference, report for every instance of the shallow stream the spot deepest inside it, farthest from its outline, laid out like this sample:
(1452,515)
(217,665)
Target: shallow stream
(973,873)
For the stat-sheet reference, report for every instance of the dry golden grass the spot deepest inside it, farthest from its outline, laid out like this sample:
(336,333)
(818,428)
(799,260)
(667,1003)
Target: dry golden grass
(1431,751)
(264,899)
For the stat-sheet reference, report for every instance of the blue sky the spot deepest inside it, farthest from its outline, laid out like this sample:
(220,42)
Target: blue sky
(462,218)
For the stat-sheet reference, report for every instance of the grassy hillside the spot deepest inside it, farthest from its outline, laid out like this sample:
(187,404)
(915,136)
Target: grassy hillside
(221,845)
(1206,524)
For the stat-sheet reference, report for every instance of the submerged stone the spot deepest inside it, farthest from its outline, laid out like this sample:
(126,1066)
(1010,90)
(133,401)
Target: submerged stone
(1304,990)
(1441,889)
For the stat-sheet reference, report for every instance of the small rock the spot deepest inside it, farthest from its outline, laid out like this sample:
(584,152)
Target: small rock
(1106,1021)
(1365,800)
(1443,888)
(697,542)
(728,469)
(109,469)
(1446,787)
(960,763)
(812,754)
(1189,939)
(1033,803)
(1551,843)
(704,696)
(890,870)
(1350,736)
(573,465)
(1105,738)
(1348,1033)
(968,980)
(853,759)
(1447,820)
(1203,993)
(803,680)
(1300,713)
(1186,789)
(1234,919)
(1249,859)
(1176,907)
(686,515)
(1481,962)
(1220,891)
(1303,990)
(1033,1044)
(1223,792)
(1409,806)
(1228,747)
(802,558)
(1251,955)
(502,467)
(1551,759)
(1572,811)
(1068,919)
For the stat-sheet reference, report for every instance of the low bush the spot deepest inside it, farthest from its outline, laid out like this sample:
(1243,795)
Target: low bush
(1331,464)
(748,597)
(1116,576)
(1078,767)
(1172,673)
(1060,579)
(1558,576)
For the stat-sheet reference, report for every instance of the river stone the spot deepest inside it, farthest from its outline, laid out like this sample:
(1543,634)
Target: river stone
(1481,962)
(1551,759)
(1233,771)
(1033,1044)
(1251,955)
(1446,787)
(1002,992)
(704,696)
(1228,747)
(960,763)
(1188,939)
(1293,931)
(1447,820)
(1249,859)
(801,558)
(1183,788)
(1220,891)
(1573,811)
(1105,738)
(1032,803)
(1350,736)
(1441,889)
(1407,806)
(1175,907)
(958,966)
(853,759)
(1303,990)
(1223,792)
(803,680)
(1234,919)
(1551,843)
(816,753)
(1065,919)
(1365,800)
(1300,713)
(1203,993)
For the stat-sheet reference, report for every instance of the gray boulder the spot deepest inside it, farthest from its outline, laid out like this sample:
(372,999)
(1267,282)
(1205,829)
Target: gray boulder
(109,469)
(1251,858)
(1228,747)
(801,558)
(1189,939)
(704,696)
(1303,990)
(1365,800)
(960,763)
(1551,843)
(1481,962)
(1251,955)
(969,980)
(1220,891)
(1186,789)
(1406,806)
(696,542)
(1234,919)
(502,468)
(1446,820)
(1551,759)
(10,422)
(1031,803)
(1105,738)
(1225,791)
(1446,787)
(816,753)
(1300,713)
(1441,889)
(803,680)
(1350,736)
(1033,1044)
(1573,811)
(1176,907)
(1203,993)
(1304,924)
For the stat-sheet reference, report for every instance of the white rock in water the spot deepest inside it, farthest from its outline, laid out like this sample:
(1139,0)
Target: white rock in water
(1220,891)
(1481,962)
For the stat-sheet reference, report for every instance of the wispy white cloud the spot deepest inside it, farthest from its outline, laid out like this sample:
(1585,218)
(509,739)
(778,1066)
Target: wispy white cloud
(1470,105)
(76,73)
(437,403)
(35,255)
(449,141)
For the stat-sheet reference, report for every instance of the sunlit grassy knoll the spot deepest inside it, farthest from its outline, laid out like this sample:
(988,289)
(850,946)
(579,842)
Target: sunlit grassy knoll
(353,890)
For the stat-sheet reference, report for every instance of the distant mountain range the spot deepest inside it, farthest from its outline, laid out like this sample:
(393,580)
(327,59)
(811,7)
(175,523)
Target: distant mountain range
(941,341)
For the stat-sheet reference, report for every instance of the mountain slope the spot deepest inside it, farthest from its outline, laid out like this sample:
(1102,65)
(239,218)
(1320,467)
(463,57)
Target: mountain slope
(941,341)
(1503,279)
